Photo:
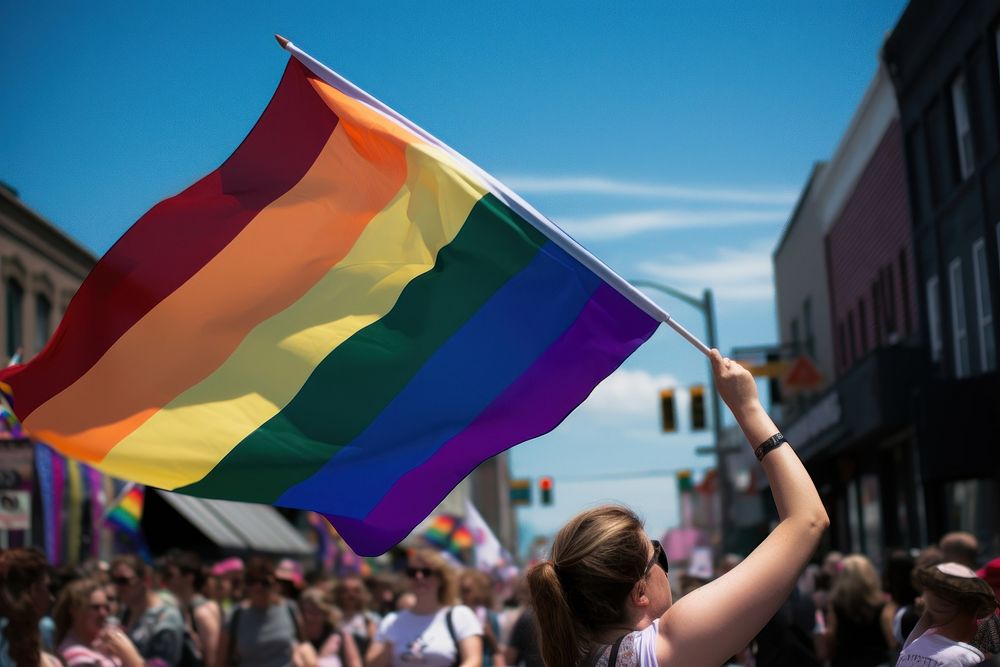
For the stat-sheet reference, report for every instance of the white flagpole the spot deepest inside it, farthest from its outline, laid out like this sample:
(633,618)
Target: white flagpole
(501,191)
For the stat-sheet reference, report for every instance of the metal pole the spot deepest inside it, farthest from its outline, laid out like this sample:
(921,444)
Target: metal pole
(707,307)
(725,526)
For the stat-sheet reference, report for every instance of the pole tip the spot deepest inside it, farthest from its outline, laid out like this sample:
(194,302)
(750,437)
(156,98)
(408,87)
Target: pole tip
(281,40)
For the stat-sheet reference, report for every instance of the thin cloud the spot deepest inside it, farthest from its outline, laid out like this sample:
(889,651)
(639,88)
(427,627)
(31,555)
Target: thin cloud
(630,393)
(595,185)
(619,225)
(743,273)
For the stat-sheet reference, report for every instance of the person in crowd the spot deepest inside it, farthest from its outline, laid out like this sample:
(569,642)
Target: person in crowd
(787,639)
(184,576)
(111,594)
(265,630)
(476,591)
(83,632)
(960,547)
(155,627)
(435,632)
(227,576)
(987,637)
(954,599)
(385,590)
(858,620)
(290,578)
(352,597)
(898,584)
(603,595)
(522,648)
(24,601)
(907,615)
(334,646)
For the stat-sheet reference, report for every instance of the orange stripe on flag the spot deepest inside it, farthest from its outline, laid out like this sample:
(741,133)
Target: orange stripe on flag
(281,254)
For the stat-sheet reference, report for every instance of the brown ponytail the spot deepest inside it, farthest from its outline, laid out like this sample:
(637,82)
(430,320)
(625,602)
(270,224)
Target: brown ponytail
(558,637)
(597,557)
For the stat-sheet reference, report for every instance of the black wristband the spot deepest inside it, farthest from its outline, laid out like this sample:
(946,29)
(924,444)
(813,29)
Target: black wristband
(773,442)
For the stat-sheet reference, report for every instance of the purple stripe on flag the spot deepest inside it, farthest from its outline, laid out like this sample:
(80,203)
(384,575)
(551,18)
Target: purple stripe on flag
(607,331)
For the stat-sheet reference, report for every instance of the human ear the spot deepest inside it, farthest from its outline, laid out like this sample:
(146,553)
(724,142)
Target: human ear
(638,595)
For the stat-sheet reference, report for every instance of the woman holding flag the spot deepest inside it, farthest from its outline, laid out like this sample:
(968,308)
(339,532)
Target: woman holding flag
(603,598)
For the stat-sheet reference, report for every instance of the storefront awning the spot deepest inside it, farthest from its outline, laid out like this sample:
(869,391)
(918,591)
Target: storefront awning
(240,526)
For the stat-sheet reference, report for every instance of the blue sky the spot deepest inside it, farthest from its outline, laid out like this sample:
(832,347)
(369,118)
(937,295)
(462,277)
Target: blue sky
(670,138)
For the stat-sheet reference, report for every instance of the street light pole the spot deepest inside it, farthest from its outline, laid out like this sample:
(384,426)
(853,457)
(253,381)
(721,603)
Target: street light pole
(706,306)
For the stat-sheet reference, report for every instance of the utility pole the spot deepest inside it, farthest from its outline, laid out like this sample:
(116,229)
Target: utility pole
(706,306)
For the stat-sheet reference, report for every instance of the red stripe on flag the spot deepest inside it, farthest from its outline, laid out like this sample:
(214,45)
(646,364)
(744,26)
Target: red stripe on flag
(178,236)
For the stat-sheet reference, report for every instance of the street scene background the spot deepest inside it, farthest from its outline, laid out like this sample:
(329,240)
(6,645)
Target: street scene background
(813,187)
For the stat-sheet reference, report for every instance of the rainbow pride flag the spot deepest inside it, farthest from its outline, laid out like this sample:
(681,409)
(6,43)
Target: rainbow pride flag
(449,533)
(347,316)
(127,511)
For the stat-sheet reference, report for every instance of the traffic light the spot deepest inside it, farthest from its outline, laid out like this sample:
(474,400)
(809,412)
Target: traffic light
(520,492)
(698,408)
(667,416)
(545,485)
(684,481)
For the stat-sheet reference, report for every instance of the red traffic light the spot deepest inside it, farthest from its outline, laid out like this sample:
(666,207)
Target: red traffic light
(545,483)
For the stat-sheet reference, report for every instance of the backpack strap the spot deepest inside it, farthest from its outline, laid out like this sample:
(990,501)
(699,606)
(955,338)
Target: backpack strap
(300,632)
(454,637)
(613,658)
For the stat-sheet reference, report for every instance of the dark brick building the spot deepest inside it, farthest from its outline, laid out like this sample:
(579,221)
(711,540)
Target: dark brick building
(944,59)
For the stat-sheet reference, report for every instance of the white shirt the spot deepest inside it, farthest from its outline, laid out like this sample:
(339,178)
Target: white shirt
(423,639)
(933,650)
(638,649)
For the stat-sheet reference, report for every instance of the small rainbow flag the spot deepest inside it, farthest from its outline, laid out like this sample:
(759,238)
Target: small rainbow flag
(347,316)
(449,533)
(127,512)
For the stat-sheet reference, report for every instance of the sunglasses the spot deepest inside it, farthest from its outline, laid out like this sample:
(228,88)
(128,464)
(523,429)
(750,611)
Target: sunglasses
(122,581)
(424,572)
(256,581)
(659,558)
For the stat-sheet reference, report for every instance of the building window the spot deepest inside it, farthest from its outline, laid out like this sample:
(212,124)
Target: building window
(963,130)
(877,313)
(960,338)
(795,335)
(842,339)
(43,321)
(984,307)
(863,326)
(15,328)
(904,290)
(934,318)
(807,323)
(852,338)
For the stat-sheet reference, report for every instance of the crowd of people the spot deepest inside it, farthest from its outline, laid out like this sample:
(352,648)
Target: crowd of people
(179,612)
(844,612)
(604,597)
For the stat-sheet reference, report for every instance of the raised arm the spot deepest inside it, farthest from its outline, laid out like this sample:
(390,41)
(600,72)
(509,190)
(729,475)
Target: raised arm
(714,622)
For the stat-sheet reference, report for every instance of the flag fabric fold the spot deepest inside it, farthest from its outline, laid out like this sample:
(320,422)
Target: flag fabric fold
(346,317)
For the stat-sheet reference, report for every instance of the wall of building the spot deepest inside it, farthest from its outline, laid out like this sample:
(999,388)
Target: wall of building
(870,258)
(801,290)
(46,264)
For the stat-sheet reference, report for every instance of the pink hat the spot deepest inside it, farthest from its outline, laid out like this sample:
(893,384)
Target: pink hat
(290,570)
(226,566)
(991,573)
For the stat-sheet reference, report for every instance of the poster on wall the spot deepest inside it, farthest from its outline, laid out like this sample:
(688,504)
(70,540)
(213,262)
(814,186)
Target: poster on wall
(16,477)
